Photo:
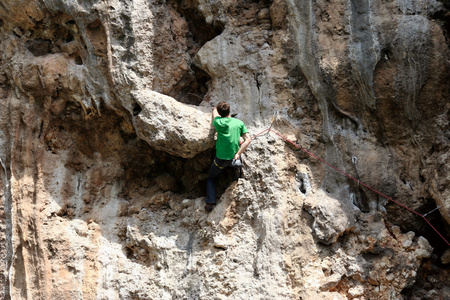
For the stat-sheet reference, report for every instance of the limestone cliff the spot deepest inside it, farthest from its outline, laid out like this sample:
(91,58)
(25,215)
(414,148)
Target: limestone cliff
(106,143)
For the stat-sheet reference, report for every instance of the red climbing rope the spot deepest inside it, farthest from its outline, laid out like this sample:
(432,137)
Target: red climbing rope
(260,133)
(398,203)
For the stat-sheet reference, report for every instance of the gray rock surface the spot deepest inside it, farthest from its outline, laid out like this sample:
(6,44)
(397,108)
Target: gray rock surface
(106,142)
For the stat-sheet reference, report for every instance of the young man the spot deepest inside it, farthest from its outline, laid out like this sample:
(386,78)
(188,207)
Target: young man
(228,147)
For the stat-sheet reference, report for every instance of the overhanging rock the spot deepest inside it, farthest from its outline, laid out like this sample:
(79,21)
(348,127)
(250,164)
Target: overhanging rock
(171,126)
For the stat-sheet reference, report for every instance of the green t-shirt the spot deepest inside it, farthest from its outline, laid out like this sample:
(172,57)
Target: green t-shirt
(229,130)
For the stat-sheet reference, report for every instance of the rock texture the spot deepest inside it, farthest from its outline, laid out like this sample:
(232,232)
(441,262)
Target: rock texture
(106,143)
(173,127)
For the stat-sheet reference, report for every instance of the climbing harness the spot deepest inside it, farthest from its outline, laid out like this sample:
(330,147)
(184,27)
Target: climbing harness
(354,160)
(217,165)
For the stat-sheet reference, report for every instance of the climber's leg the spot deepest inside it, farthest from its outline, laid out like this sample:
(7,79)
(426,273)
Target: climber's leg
(217,167)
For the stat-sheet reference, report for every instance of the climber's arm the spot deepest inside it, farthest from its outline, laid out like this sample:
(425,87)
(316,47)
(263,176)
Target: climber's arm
(244,145)
(215,114)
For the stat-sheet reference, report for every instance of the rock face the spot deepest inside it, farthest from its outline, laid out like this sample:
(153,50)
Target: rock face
(106,143)
(168,125)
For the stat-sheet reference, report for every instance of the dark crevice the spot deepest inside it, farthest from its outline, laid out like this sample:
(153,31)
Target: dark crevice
(69,37)
(386,54)
(78,60)
(443,19)
(136,110)
(39,47)
(200,30)
(192,86)
(41,129)
(302,186)
(146,171)
(422,179)
(147,168)
(411,222)
(361,199)
(432,273)
(435,218)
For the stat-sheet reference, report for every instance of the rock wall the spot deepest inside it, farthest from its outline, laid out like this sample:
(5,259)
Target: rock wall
(106,144)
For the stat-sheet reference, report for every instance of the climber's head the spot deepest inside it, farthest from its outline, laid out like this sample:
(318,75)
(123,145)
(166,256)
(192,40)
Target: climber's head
(223,109)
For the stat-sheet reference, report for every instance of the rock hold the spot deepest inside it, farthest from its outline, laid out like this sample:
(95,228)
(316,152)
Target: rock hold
(330,219)
(176,128)
(424,250)
(445,258)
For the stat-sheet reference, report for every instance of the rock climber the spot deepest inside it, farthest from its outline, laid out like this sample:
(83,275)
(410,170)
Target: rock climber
(228,148)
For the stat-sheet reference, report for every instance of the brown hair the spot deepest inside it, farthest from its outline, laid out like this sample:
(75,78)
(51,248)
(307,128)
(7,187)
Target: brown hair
(223,109)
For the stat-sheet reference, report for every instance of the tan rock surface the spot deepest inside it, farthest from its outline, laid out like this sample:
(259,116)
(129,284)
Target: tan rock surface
(106,144)
(177,128)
